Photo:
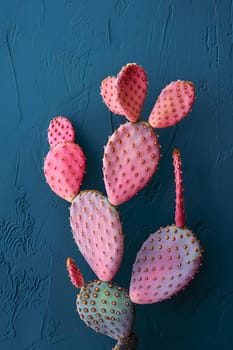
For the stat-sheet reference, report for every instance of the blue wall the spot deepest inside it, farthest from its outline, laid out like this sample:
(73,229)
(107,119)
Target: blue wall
(53,56)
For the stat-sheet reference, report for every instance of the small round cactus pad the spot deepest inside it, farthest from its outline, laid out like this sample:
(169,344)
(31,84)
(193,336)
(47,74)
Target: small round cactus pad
(60,130)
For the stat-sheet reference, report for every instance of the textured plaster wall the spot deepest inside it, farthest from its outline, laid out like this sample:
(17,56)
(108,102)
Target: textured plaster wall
(53,56)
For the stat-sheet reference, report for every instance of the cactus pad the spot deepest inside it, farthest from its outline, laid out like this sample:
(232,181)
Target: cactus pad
(165,264)
(131,90)
(97,231)
(125,95)
(173,104)
(109,95)
(130,160)
(106,308)
(64,169)
(60,130)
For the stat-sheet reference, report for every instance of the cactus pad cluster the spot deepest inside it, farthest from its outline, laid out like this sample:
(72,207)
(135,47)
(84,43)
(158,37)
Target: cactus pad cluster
(170,257)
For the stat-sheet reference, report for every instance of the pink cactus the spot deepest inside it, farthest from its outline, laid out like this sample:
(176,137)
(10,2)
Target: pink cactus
(65,163)
(169,258)
(97,230)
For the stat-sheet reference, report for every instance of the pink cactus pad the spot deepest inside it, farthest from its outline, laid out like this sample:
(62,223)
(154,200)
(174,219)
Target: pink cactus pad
(180,212)
(97,231)
(125,95)
(131,158)
(75,275)
(131,90)
(60,130)
(109,95)
(165,264)
(64,169)
(173,104)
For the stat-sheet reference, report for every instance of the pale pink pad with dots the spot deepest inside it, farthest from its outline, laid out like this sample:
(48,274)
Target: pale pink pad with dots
(97,230)
(165,264)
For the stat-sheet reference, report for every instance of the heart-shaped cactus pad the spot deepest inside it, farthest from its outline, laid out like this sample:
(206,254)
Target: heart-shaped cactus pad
(125,94)
(60,130)
(109,95)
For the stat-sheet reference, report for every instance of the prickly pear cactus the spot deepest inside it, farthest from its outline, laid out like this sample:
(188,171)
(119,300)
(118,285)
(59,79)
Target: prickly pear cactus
(170,257)
(132,153)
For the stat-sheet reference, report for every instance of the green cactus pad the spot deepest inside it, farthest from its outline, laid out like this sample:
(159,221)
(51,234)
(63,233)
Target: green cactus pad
(106,308)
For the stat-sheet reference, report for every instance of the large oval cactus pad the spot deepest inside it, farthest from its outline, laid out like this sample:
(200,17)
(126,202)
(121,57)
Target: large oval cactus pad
(64,169)
(97,230)
(165,264)
(131,158)
(126,93)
